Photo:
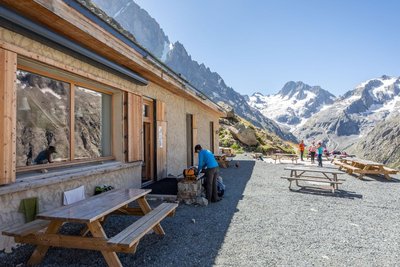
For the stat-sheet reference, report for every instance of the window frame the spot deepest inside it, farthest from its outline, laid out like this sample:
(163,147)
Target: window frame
(73,84)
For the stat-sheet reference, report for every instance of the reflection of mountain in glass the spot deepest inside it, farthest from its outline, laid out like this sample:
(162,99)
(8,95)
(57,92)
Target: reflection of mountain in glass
(43,119)
(87,123)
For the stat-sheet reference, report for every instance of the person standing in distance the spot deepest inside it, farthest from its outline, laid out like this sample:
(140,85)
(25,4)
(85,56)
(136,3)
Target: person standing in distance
(301,148)
(207,161)
(320,151)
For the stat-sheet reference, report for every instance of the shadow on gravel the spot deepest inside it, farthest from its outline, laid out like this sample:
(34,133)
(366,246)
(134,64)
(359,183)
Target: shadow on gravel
(193,236)
(326,193)
(379,178)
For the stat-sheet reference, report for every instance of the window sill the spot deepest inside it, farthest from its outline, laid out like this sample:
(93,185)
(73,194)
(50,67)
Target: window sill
(32,180)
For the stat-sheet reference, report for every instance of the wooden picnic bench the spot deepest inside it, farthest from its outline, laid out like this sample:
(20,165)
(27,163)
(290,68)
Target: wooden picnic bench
(279,156)
(306,174)
(43,232)
(362,167)
(222,160)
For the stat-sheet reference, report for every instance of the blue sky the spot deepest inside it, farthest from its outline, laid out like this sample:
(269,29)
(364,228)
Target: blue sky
(259,45)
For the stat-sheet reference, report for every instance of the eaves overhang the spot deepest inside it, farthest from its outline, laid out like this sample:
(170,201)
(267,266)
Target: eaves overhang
(17,23)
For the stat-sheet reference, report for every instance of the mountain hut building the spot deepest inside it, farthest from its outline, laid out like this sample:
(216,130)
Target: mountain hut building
(82,104)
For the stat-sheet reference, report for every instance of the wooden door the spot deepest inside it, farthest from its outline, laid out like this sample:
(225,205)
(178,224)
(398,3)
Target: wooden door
(148,141)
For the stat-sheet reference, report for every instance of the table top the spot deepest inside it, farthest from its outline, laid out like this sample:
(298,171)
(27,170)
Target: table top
(364,161)
(96,207)
(320,170)
(286,155)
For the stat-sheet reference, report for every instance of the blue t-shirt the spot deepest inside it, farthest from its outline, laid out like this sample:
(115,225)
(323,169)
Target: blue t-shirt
(320,150)
(207,159)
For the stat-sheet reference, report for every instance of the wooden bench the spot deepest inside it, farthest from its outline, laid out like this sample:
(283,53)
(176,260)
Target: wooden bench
(350,169)
(279,156)
(27,228)
(130,237)
(311,179)
(389,170)
(222,161)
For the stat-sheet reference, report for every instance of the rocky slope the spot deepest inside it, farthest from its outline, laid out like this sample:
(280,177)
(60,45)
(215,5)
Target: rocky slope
(354,115)
(382,143)
(150,35)
(293,104)
(241,135)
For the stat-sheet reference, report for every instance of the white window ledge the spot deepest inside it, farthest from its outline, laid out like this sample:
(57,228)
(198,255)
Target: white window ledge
(37,179)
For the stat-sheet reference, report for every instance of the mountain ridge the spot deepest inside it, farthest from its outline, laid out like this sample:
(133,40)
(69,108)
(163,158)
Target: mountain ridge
(150,35)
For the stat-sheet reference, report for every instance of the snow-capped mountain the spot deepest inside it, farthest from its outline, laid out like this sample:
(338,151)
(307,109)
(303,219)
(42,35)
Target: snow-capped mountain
(137,21)
(149,34)
(293,104)
(354,115)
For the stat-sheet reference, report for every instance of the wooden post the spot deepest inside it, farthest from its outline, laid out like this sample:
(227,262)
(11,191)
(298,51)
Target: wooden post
(8,116)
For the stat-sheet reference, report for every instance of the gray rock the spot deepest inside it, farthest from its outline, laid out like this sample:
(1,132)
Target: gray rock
(244,134)
(201,201)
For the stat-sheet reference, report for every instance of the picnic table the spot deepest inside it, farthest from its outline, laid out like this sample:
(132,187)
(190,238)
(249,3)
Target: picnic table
(44,231)
(307,174)
(362,167)
(279,156)
(222,160)
(229,152)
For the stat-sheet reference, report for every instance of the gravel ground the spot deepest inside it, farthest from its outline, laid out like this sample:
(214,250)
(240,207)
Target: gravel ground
(261,223)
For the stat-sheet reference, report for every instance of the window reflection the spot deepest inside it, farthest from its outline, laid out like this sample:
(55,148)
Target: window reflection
(42,119)
(92,124)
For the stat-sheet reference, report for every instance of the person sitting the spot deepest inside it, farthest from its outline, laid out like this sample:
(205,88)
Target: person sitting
(45,156)
(207,161)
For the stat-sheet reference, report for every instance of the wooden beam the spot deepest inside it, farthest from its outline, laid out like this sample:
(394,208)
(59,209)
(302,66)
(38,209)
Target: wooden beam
(8,116)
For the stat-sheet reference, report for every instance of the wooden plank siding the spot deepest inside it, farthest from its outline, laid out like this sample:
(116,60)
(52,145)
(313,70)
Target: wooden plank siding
(161,130)
(135,124)
(8,116)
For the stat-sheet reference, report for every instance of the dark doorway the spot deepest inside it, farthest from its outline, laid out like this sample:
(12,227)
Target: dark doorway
(148,142)
(212,137)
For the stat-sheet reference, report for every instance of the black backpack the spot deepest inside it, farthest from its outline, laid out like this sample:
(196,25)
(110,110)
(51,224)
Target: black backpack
(220,188)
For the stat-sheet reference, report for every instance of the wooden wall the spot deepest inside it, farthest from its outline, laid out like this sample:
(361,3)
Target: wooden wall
(8,109)
(161,133)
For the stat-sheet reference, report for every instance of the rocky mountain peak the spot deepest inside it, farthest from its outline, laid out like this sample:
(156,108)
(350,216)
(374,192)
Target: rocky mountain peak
(291,88)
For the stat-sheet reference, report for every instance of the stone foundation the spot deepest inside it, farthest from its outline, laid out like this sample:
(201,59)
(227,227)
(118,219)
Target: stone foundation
(190,191)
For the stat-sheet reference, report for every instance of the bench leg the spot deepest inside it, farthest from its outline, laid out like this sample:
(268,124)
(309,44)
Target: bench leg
(144,205)
(111,257)
(40,251)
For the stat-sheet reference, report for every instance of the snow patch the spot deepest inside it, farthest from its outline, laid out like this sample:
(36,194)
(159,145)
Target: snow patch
(167,47)
(121,10)
(49,91)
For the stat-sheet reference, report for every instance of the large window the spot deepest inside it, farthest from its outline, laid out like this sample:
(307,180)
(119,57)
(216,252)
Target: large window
(50,131)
